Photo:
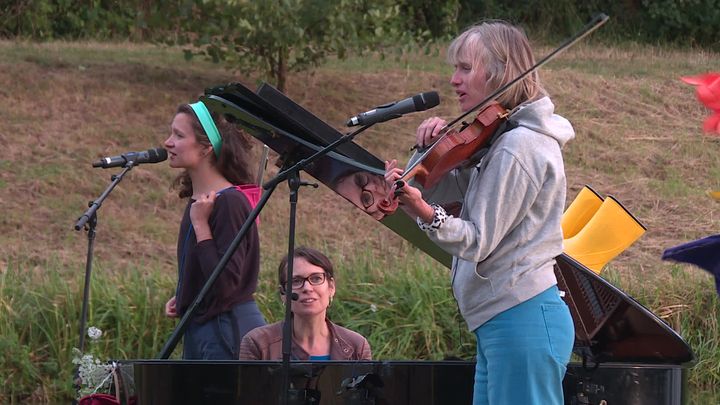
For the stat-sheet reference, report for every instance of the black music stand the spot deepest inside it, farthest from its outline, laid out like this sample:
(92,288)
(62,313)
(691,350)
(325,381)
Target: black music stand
(305,134)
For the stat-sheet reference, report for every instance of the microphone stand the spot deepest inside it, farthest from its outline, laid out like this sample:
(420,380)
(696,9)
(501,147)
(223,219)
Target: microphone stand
(88,220)
(292,175)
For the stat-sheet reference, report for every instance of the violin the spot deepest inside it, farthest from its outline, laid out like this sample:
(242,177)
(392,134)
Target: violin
(457,147)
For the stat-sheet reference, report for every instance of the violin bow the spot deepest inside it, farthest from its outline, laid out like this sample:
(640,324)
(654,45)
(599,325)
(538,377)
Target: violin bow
(594,24)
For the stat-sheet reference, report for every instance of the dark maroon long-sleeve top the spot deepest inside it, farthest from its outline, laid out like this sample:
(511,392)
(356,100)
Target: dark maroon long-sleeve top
(196,261)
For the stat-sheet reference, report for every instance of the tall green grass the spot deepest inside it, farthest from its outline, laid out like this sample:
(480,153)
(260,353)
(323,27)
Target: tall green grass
(40,319)
(403,306)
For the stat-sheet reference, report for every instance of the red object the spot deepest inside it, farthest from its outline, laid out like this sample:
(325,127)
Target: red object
(388,205)
(98,399)
(252,193)
(708,92)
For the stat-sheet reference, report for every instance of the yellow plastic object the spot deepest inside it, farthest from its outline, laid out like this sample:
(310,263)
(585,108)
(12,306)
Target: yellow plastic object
(609,232)
(579,212)
(714,194)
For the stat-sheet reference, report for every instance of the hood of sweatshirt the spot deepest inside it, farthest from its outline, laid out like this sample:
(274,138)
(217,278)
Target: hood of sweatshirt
(540,117)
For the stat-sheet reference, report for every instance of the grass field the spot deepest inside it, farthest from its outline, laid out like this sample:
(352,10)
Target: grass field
(67,104)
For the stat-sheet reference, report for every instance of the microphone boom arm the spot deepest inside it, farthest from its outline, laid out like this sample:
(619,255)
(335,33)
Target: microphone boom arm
(95,205)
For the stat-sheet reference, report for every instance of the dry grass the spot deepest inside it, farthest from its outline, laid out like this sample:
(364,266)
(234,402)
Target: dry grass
(67,104)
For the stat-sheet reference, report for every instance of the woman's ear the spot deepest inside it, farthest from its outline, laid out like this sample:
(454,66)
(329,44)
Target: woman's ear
(281,291)
(208,150)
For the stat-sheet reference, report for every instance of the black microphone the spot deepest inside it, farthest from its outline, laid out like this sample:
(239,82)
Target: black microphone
(419,102)
(293,295)
(149,156)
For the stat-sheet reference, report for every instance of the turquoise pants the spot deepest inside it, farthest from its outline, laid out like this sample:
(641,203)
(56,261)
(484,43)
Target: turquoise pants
(522,353)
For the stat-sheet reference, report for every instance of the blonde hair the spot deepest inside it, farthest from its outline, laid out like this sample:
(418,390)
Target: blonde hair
(503,52)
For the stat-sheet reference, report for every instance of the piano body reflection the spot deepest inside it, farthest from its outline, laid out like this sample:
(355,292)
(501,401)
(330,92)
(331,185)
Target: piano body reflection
(327,382)
(627,354)
(381,383)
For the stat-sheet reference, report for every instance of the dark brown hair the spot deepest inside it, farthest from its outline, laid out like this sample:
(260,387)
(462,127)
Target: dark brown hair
(235,153)
(312,256)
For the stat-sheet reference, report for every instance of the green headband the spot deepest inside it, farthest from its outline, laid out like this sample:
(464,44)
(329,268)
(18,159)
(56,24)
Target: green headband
(208,125)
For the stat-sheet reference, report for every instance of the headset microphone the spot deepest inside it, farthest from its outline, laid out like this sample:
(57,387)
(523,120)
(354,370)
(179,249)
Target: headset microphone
(293,295)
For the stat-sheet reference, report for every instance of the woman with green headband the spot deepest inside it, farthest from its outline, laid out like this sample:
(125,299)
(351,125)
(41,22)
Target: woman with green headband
(214,155)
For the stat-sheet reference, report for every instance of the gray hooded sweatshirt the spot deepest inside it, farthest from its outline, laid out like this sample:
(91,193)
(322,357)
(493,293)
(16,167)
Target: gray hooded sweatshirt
(507,236)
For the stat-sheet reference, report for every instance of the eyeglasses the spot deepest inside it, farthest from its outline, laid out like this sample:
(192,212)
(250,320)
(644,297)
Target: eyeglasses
(313,279)
(366,197)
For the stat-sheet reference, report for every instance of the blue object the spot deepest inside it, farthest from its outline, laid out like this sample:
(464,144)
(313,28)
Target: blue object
(523,352)
(704,253)
(219,338)
(206,121)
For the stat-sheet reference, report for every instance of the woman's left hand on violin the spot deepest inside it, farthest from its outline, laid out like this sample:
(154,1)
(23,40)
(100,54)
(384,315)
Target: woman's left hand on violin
(410,197)
(429,131)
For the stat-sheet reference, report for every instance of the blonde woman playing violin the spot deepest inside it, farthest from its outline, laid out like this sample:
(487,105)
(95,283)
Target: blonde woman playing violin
(508,233)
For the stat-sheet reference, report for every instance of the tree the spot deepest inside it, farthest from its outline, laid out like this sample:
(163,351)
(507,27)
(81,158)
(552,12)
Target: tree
(276,37)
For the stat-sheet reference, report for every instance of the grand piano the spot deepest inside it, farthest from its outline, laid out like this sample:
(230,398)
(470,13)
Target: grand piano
(623,353)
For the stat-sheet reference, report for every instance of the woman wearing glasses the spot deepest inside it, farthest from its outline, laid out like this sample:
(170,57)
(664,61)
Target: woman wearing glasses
(314,336)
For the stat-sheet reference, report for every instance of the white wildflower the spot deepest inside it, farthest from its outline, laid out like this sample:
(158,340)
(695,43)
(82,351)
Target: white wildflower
(93,374)
(94,333)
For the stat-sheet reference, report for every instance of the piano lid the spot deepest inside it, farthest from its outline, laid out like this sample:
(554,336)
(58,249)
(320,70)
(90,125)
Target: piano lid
(610,326)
